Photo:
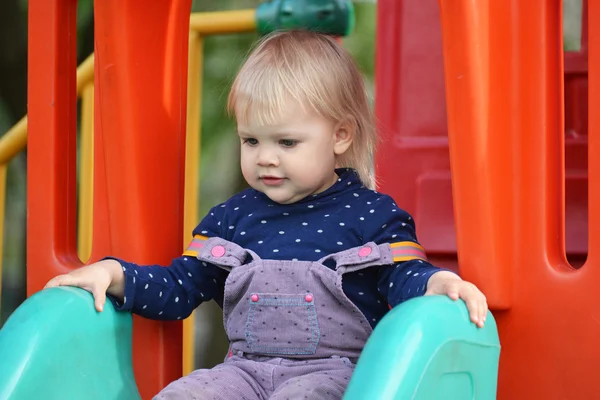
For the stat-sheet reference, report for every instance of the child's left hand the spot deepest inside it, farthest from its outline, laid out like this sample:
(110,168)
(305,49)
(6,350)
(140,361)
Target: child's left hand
(447,283)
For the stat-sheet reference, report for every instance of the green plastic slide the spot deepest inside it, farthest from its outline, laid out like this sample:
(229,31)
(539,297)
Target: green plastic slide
(427,349)
(56,346)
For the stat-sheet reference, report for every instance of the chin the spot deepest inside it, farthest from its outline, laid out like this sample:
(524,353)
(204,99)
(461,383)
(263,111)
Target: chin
(281,199)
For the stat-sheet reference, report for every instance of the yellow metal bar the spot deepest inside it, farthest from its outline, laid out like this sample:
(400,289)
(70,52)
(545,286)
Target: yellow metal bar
(13,141)
(192,173)
(221,22)
(85,74)
(86,174)
(2,209)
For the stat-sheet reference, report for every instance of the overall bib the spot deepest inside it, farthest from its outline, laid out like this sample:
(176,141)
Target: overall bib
(293,333)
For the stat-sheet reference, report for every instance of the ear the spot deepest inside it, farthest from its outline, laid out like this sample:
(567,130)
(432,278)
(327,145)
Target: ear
(343,136)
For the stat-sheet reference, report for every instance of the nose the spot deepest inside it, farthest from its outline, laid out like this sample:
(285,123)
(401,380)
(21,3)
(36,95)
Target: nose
(267,157)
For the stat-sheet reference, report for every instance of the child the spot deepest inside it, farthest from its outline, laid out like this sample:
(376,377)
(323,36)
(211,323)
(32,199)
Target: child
(307,261)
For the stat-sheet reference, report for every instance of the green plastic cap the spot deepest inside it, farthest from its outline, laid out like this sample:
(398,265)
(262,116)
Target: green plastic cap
(332,17)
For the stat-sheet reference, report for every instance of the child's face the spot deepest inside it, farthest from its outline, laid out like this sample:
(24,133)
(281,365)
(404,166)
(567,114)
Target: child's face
(293,158)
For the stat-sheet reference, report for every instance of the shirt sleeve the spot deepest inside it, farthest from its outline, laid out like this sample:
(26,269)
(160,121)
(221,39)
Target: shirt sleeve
(173,292)
(408,276)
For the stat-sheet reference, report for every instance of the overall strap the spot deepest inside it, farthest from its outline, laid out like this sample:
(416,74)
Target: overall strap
(357,258)
(371,254)
(219,252)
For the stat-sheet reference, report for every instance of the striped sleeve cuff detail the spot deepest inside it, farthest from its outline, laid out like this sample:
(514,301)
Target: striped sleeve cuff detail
(194,247)
(405,251)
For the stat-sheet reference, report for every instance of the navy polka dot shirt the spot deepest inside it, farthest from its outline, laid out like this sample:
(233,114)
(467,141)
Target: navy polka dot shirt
(344,216)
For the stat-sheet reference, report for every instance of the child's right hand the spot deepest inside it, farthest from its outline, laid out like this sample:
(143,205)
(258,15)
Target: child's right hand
(99,278)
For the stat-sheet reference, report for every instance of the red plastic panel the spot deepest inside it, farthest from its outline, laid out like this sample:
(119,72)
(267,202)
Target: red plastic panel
(412,163)
(51,229)
(576,146)
(504,79)
(140,92)
(141,75)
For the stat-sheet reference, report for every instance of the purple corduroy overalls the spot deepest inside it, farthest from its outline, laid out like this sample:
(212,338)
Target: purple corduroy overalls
(293,333)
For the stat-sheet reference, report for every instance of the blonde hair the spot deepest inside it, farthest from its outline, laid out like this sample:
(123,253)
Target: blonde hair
(317,71)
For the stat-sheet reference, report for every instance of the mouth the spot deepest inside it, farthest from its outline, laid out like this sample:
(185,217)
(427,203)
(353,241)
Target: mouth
(271,180)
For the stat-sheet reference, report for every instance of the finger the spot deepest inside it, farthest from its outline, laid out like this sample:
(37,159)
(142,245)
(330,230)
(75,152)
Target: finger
(99,299)
(452,291)
(453,294)
(481,306)
(480,314)
(478,307)
(61,280)
(51,283)
(484,310)
(472,305)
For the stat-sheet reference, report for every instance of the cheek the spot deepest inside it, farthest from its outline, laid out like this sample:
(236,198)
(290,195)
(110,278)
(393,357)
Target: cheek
(315,163)
(245,162)
(324,156)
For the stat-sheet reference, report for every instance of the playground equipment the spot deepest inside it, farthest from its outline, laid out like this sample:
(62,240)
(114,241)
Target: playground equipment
(478,85)
(509,100)
(57,344)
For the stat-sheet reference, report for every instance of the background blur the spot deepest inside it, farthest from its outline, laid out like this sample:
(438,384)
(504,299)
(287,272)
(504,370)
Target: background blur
(220,175)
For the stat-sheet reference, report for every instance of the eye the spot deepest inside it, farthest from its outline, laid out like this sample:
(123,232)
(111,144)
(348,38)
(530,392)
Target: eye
(288,142)
(250,141)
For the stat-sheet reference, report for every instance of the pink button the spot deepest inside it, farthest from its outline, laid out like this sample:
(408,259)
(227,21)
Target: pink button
(218,251)
(308,298)
(365,251)
(254,298)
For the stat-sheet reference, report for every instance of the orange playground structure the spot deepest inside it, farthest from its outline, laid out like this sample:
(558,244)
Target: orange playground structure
(487,142)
